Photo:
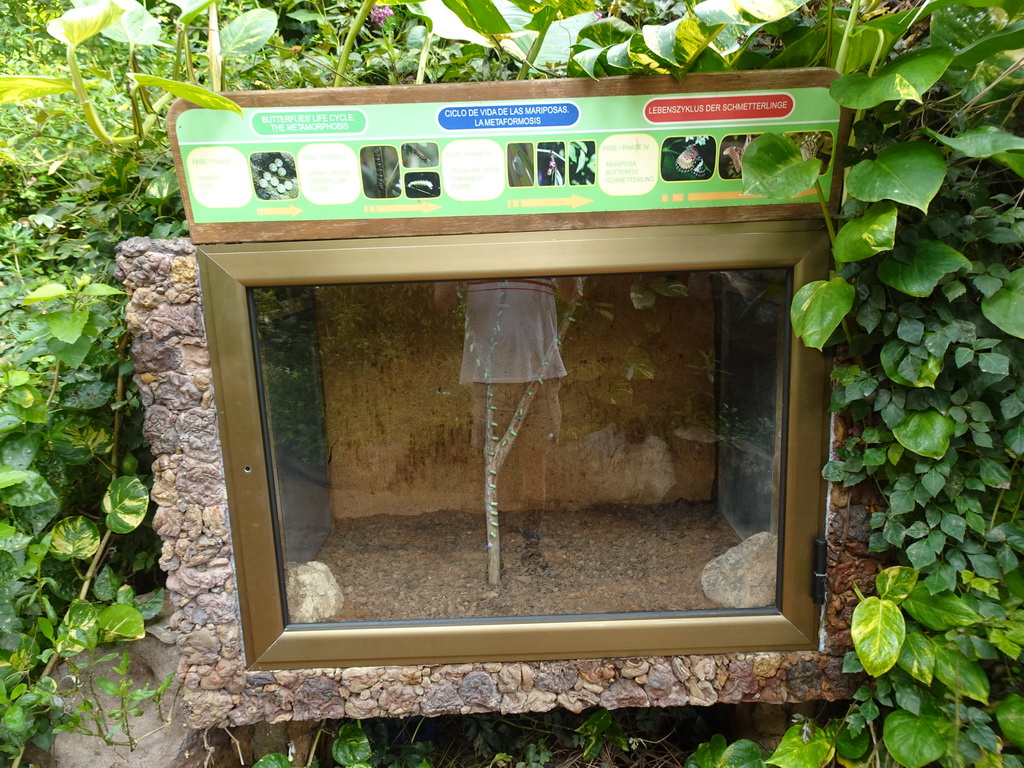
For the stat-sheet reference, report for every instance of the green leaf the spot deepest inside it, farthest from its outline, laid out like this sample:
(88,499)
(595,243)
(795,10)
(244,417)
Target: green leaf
(926,433)
(72,355)
(481,16)
(641,296)
(909,173)
(895,583)
(1005,308)
(770,10)
(877,630)
(444,23)
(980,142)
(10,476)
(67,326)
(190,9)
(125,504)
(1012,160)
(75,537)
(248,33)
(1010,716)
(917,657)
(77,632)
(1014,439)
(913,740)
(14,88)
(46,292)
(101,289)
(351,747)
(14,719)
(607,31)
(962,675)
(642,58)
(106,585)
(774,167)
(872,233)
(120,622)
(1010,38)
(939,612)
(930,262)
(32,490)
(195,93)
(897,360)
(77,25)
(803,744)
(742,753)
(274,760)
(908,76)
(818,308)
(136,26)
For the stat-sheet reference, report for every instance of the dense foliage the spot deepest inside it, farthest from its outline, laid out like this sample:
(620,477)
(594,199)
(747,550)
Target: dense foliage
(926,305)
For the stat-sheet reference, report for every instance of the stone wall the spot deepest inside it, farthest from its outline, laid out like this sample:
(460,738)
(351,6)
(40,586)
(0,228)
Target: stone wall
(173,375)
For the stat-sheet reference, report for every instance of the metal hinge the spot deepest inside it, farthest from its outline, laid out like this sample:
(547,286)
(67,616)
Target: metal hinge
(820,566)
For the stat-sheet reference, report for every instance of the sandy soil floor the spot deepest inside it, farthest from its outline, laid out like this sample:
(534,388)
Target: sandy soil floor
(607,559)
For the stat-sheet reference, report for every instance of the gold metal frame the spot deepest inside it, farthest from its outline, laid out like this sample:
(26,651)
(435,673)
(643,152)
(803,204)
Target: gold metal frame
(227,271)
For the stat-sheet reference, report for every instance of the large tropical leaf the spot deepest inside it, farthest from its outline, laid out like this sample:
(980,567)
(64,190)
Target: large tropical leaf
(909,173)
(13,88)
(194,93)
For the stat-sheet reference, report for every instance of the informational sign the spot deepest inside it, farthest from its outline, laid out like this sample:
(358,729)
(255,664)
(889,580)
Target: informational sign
(450,157)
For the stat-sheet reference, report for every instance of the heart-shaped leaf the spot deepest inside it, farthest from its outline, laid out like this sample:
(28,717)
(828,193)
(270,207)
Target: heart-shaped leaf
(914,740)
(818,308)
(930,262)
(1010,716)
(120,622)
(877,630)
(1005,308)
(917,657)
(906,77)
(774,167)
(909,173)
(125,504)
(872,233)
(481,16)
(77,25)
(940,611)
(926,433)
(248,33)
(75,537)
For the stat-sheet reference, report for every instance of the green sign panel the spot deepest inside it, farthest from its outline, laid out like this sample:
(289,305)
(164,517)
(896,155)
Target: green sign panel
(485,158)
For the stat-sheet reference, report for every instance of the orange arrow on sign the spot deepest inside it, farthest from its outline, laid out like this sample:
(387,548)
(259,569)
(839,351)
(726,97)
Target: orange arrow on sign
(291,210)
(556,202)
(424,207)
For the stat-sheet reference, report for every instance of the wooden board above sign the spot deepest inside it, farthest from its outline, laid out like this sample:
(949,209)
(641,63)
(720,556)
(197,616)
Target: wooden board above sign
(496,157)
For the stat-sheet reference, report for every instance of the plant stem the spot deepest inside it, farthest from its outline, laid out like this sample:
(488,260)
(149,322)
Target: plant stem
(213,50)
(421,70)
(91,117)
(531,55)
(53,387)
(350,40)
(824,210)
(847,31)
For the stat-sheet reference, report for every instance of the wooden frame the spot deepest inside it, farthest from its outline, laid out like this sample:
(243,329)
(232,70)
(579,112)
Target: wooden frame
(228,272)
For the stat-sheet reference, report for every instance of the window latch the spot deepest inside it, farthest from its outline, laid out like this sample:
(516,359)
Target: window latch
(820,565)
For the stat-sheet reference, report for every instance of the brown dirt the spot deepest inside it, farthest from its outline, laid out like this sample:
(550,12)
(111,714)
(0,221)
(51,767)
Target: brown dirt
(605,559)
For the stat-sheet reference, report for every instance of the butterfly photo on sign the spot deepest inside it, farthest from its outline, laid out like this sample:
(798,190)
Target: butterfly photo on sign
(688,158)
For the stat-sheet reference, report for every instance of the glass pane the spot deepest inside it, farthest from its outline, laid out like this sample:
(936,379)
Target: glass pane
(495,448)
